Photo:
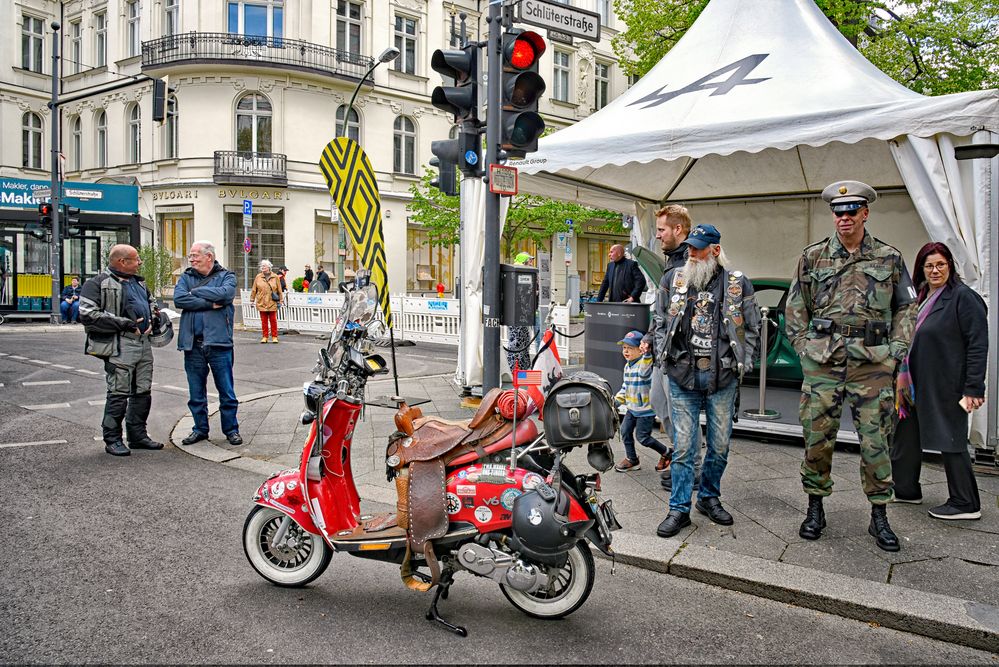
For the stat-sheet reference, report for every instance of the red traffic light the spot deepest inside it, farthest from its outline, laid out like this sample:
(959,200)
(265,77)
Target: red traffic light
(525,50)
(45,210)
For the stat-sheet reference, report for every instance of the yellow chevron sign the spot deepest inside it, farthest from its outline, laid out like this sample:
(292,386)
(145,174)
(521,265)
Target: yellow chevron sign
(352,183)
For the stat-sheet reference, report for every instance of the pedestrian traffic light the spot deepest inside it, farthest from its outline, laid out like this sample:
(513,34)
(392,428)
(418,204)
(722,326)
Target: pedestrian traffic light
(460,68)
(522,87)
(45,213)
(40,229)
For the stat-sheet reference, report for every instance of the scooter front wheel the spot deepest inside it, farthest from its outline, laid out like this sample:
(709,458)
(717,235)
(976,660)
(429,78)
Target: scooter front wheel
(300,558)
(566,591)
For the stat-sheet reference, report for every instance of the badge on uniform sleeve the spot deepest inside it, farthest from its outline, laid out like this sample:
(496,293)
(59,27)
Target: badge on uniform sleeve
(675,298)
(734,290)
(735,275)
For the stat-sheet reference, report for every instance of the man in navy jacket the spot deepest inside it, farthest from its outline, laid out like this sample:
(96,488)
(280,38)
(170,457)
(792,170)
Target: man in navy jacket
(623,280)
(205,293)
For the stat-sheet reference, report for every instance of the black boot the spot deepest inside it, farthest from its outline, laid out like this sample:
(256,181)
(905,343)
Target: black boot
(114,412)
(136,415)
(815,519)
(880,530)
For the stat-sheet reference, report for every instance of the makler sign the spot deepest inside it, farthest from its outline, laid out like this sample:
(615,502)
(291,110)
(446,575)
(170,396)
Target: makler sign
(563,18)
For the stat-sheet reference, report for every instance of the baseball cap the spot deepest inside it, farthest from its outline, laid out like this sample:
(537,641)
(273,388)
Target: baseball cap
(702,236)
(634,339)
(522,258)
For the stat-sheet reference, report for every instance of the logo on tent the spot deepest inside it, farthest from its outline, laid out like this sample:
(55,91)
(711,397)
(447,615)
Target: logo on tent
(740,70)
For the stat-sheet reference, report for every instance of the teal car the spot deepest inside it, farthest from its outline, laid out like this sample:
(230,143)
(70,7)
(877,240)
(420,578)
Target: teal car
(783,365)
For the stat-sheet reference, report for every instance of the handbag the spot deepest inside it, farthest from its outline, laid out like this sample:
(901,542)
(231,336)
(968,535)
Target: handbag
(275,296)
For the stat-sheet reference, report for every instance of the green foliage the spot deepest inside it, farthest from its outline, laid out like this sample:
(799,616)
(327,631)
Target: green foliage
(931,46)
(298,284)
(157,267)
(529,217)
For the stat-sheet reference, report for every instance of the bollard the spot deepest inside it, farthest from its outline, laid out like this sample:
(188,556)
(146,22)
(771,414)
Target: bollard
(763,413)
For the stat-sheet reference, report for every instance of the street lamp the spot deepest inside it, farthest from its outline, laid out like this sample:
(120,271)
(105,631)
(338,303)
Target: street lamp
(386,56)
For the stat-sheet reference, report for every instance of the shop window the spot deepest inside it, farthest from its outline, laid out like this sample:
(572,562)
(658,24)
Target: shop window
(596,256)
(427,264)
(176,237)
(328,252)
(266,237)
(253,124)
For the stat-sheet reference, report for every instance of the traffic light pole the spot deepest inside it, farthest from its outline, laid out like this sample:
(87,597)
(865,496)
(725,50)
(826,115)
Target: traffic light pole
(490,268)
(56,186)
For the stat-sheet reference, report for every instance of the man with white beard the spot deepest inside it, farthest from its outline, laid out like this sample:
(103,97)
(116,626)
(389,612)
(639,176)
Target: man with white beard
(707,325)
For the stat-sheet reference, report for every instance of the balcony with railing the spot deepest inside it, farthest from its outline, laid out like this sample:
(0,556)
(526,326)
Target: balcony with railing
(250,168)
(228,48)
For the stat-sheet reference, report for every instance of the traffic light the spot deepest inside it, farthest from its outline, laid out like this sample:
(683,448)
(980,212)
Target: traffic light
(70,220)
(446,155)
(522,86)
(163,101)
(459,67)
(40,229)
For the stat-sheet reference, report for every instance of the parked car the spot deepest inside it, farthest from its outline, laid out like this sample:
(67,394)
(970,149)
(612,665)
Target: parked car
(783,365)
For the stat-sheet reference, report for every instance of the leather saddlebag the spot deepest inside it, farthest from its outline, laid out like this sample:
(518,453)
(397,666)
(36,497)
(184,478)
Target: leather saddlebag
(579,410)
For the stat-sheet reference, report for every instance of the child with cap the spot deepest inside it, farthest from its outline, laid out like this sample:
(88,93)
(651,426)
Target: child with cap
(634,395)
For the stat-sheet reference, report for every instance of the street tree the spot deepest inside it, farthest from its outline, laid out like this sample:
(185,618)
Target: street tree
(933,47)
(529,217)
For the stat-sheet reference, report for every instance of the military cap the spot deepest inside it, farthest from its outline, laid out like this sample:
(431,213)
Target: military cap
(845,196)
(702,236)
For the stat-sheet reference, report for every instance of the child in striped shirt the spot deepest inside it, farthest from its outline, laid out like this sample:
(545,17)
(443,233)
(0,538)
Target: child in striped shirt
(634,395)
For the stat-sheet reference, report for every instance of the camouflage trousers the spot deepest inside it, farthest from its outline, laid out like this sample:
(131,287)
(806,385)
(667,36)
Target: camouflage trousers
(869,390)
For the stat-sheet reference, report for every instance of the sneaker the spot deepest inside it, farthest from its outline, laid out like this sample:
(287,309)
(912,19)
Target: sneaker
(907,501)
(627,464)
(950,513)
(274,339)
(264,339)
(664,462)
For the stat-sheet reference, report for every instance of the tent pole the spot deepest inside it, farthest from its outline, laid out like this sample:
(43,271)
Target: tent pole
(992,391)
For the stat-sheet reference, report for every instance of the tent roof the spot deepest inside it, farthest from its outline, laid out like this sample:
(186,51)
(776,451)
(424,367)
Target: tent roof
(762,81)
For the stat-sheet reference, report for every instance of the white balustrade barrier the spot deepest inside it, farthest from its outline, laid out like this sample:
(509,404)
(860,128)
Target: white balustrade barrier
(417,319)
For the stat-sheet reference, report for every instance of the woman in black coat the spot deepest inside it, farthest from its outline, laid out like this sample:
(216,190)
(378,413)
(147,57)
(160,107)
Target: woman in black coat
(940,383)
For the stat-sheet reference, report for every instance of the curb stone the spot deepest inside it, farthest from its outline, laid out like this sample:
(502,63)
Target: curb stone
(940,617)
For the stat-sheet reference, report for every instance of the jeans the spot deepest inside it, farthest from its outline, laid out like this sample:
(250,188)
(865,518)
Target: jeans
(70,311)
(197,363)
(719,408)
(633,426)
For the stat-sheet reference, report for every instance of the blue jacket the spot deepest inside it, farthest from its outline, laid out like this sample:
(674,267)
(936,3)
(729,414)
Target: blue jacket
(197,293)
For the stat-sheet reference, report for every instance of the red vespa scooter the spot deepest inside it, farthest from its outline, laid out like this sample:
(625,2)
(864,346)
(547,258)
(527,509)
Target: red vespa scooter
(516,515)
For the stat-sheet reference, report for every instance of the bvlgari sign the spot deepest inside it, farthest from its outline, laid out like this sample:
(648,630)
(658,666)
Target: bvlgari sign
(560,17)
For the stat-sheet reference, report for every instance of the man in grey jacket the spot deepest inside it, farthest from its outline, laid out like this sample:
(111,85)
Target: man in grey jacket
(117,311)
(205,292)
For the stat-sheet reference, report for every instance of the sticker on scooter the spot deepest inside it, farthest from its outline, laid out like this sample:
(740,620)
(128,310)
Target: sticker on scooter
(453,504)
(483,514)
(531,480)
(292,484)
(492,501)
(534,516)
(508,497)
(277,490)
(465,489)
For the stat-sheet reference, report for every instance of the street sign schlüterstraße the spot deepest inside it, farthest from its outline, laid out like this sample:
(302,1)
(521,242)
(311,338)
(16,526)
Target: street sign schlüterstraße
(563,18)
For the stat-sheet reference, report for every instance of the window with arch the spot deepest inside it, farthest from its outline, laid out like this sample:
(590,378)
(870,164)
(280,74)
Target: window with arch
(134,134)
(171,147)
(353,123)
(253,123)
(102,138)
(404,145)
(31,140)
(77,130)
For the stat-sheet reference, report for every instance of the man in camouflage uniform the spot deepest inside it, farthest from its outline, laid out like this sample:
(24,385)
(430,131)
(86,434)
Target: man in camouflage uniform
(849,317)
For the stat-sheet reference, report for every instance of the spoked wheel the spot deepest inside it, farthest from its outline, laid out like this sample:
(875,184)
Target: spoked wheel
(566,591)
(300,558)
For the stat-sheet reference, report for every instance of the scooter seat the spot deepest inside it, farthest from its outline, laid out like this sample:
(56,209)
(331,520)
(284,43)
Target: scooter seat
(527,431)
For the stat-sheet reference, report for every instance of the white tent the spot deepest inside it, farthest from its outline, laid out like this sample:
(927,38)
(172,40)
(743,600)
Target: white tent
(759,106)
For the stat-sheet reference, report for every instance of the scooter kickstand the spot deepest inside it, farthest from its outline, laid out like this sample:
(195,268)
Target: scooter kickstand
(447,579)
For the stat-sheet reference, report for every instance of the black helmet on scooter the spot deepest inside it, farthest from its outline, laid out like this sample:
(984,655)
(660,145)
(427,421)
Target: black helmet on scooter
(541,528)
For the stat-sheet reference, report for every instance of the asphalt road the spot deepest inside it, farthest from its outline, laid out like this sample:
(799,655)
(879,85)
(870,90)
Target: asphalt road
(139,559)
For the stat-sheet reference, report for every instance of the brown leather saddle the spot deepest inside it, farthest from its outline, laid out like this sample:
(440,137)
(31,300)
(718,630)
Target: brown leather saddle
(419,453)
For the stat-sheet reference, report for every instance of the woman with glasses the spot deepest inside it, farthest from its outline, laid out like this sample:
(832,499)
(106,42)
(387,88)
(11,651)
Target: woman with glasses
(941,381)
(266,294)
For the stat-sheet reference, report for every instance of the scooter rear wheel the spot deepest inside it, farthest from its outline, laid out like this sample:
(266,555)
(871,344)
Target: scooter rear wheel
(568,589)
(291,565)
